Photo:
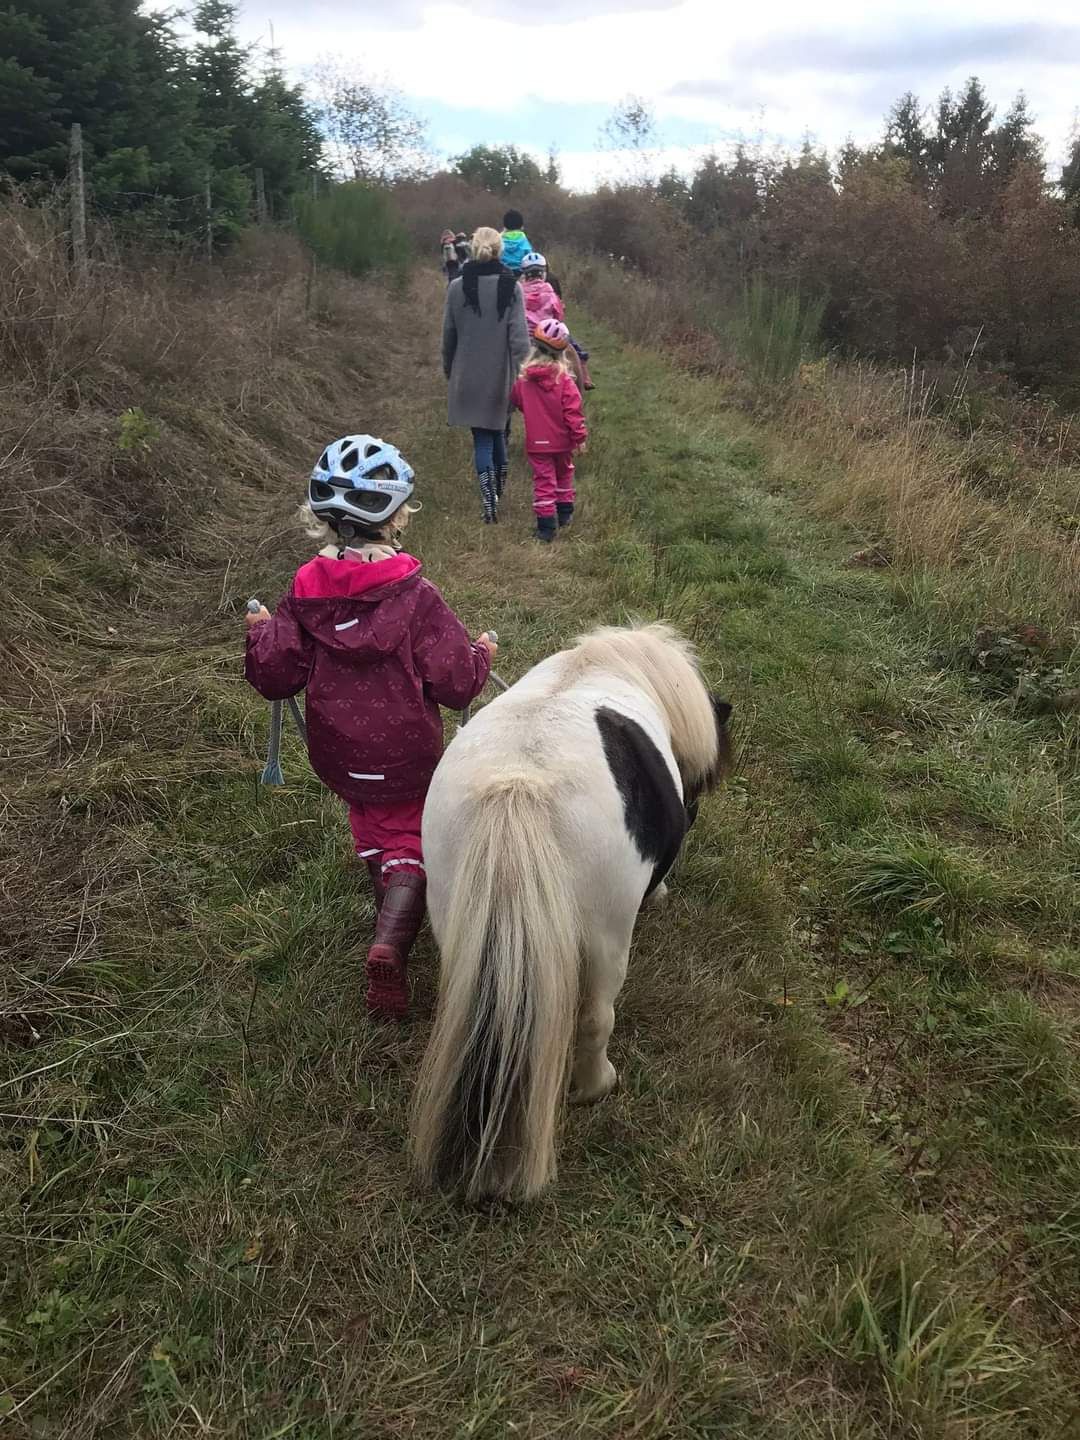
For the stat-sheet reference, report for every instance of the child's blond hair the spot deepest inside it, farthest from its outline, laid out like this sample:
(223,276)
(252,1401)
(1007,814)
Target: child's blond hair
(541,355)
(324,534)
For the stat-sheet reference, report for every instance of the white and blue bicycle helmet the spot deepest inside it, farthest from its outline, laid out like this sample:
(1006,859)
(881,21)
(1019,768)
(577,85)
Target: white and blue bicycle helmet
(359,482)
(533,261)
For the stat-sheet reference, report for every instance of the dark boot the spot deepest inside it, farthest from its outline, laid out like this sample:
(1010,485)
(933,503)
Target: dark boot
(545,528)
(400,917)
(377,884)
(565,509)
(488,499)
(500,482)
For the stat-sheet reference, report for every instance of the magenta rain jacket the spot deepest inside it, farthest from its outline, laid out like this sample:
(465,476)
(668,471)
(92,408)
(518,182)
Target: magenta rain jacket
(551,404)
(378,650)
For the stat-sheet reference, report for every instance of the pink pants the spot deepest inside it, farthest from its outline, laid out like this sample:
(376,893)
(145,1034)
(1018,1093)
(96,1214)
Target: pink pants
(391,831)
(553,481)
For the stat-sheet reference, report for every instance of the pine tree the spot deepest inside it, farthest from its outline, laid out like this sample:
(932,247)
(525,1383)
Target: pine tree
(1015,142)
(725,196)
(1070,176)
(672,187)
(906,137)
(963,160)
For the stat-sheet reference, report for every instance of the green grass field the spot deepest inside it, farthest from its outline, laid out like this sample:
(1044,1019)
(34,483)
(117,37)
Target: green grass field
(836,1194)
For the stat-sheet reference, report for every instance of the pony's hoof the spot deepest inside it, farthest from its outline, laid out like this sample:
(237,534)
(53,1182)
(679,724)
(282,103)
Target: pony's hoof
(596,1090)
(658,897)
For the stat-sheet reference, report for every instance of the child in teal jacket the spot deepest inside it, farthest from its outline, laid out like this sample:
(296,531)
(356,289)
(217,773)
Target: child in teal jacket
(515,242)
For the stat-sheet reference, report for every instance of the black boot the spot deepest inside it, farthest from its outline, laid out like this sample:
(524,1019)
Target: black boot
(565,509)
(488,498)
(545,528)
(500,482)
(400,916)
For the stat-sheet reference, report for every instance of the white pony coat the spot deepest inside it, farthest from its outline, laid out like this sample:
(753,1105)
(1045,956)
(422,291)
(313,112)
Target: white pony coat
(534,885)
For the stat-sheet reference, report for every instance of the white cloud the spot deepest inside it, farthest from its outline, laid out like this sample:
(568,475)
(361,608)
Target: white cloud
(776,66)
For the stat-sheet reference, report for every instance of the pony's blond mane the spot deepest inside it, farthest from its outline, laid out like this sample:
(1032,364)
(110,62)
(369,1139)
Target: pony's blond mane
(664,664)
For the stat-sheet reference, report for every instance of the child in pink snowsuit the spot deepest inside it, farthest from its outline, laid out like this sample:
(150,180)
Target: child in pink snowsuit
(541,302)
(544,302)
(548,397)
(378,650)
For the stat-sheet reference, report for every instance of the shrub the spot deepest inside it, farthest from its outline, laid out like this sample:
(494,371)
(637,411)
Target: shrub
(355,228)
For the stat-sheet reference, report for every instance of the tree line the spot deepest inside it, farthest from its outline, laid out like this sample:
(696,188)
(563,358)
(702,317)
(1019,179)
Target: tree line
(158,116)
(944,239)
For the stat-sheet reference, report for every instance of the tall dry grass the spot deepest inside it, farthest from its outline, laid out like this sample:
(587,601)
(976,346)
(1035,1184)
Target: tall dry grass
(946,471)
(156,418)
(987,508)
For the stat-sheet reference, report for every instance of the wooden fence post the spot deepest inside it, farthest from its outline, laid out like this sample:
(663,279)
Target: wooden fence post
(208,201)
(260,196)
(77,200)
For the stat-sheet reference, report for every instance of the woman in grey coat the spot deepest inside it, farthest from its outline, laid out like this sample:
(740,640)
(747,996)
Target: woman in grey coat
(485,341)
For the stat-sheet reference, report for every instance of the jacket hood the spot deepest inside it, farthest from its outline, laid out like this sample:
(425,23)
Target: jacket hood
(357,606)
(513,234)
(546,376)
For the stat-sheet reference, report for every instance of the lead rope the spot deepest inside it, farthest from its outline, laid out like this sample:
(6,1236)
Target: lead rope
(272,772)
(463,715)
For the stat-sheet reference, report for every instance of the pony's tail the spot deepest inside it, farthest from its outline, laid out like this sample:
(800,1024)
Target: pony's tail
(492,1083)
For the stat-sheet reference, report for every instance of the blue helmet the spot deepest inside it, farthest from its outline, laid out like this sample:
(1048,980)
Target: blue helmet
(359,481)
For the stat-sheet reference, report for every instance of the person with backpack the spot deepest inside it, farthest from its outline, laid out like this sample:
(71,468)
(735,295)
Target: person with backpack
(378,650)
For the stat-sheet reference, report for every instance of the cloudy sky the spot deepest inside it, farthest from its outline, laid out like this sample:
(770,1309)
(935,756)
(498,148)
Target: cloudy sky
(539,74)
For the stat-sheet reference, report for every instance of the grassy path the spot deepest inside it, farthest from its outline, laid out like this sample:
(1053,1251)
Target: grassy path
(836,1194)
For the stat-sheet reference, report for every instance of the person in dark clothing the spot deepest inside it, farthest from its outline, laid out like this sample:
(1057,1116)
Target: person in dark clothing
(451,264)
(378,650)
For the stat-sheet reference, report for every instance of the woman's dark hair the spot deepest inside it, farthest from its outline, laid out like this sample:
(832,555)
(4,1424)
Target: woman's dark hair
(513,220)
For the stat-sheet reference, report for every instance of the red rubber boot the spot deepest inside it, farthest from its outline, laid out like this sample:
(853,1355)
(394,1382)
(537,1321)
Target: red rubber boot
(400,916)
(375,871)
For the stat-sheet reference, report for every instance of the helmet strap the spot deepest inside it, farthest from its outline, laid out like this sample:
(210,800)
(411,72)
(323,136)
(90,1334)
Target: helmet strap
(349,532)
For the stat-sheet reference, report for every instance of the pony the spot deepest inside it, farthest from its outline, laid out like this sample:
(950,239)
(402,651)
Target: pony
(552,817)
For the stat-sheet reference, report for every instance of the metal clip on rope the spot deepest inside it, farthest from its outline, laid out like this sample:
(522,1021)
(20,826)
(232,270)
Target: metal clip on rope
(463,715)
(272,773)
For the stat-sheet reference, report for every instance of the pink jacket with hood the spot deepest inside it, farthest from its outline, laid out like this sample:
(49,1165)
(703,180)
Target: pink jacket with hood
(378,650)
(541,303)
(551,404)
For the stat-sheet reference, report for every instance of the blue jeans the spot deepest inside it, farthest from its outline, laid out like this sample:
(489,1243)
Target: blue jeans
(490,447)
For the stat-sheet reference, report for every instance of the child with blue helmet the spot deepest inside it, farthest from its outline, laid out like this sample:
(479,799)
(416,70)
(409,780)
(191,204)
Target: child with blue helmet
(377,650)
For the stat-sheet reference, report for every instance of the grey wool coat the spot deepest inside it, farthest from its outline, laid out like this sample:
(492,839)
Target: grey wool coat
(481,354)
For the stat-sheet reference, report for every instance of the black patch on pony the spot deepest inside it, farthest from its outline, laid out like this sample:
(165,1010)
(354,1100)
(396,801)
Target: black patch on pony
(655,815)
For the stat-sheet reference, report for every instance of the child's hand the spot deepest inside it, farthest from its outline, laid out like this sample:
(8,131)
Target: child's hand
(256,617)
(581,449)
(488,643)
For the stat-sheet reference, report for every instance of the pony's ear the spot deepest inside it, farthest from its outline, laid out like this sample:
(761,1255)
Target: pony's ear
(721,709)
